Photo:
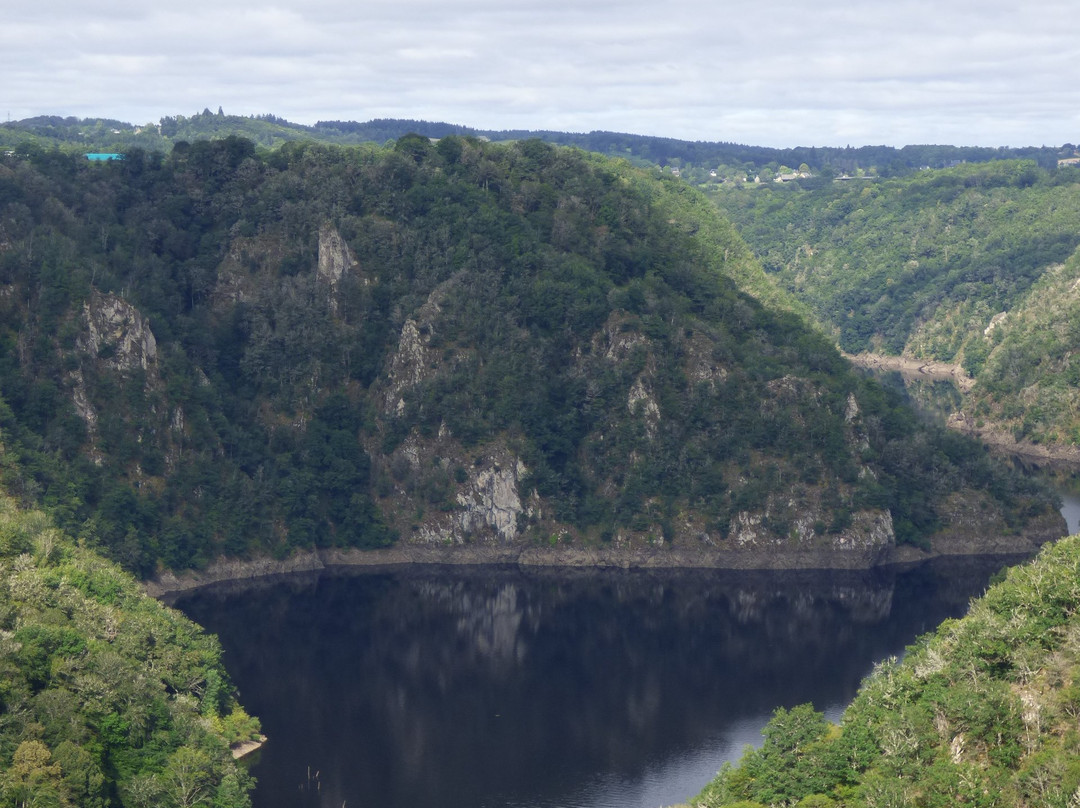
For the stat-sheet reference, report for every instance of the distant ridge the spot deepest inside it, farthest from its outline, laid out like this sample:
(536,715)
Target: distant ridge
(104,135)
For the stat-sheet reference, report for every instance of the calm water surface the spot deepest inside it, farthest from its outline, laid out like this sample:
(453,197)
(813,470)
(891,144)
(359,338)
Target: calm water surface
(1070,508)
(493,688)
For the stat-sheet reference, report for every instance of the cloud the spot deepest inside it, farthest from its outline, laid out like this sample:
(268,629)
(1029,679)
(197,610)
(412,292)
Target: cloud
(771,72)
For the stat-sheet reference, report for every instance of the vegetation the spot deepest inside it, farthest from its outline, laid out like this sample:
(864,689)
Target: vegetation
(1027,383)
(107,698)
(233,351)
(930,266)
(694,160)
(981,712)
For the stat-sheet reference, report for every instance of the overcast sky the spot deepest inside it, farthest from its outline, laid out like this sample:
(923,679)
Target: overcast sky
(763,72)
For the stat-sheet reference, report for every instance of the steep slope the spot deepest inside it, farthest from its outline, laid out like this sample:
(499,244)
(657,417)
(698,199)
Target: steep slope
(515,347)
(981,712)
(1028,383)
(107,698)
(959,266)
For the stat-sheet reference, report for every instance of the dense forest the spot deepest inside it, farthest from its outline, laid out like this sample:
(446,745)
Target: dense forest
(233,351)
(107,698)
(215,347)
(973,265)
(980,712)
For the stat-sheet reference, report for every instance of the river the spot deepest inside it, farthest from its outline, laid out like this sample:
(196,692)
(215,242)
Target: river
(486,688)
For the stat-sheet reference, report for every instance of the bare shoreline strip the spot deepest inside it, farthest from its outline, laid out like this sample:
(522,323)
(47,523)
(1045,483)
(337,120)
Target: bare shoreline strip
(914,368)
(1055,455)
(242,750)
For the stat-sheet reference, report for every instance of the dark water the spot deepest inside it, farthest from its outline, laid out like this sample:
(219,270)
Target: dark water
(502,688)
(1070,505)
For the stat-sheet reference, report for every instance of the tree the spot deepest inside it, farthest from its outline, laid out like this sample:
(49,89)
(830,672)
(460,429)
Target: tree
(189,777)
(33,781)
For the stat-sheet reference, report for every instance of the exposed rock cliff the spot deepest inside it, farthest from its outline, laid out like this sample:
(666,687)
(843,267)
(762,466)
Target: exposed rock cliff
(335,257)
(117,334)
(114,336)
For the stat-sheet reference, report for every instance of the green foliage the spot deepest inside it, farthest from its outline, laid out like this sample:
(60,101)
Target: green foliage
(960,265)
(921,262)
(102,689)
(1029,370)
(603,322)
(981,712)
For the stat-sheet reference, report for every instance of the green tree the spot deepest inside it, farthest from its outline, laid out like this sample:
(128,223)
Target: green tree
(33,780)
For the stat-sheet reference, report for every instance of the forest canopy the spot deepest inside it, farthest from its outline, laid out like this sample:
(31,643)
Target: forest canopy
(234,351)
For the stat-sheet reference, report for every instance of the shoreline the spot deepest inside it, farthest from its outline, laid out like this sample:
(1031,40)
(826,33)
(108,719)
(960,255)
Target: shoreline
(246,748)
(223,571)
(914,368)
(1055,455)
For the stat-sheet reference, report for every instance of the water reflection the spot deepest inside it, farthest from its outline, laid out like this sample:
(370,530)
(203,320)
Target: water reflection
(502,688)
(1070,508)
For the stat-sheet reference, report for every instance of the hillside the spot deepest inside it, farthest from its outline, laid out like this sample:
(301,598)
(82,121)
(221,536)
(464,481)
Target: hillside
(973,265)
(455,346)
(694,159)
(981,712)
(107,698)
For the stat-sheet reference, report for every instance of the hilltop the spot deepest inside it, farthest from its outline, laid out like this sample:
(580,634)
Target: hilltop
(700,161)
(482,350)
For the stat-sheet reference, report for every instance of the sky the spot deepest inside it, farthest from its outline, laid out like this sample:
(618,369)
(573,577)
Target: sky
(760,72)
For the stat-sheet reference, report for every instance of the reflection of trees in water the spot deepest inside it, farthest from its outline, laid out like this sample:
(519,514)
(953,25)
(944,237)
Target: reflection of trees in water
(411,685)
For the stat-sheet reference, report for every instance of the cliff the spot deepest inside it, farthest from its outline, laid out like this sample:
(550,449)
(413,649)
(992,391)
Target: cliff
(453,350)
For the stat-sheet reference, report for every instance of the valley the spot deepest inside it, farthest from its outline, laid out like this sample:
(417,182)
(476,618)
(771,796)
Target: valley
(226,361)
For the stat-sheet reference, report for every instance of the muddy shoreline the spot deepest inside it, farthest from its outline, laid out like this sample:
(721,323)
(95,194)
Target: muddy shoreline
(1053,456)
(913,368)
(169,584)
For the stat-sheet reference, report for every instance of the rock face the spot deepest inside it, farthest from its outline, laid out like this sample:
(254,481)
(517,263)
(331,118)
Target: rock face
(117,334)
(117,337)
(414,361)
(335,257)
(485,508)
(492,501)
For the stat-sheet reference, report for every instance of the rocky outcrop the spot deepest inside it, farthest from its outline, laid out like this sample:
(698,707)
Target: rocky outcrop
(642,403)
(486,509)
(117,334)
(492,501)
(117,337)
(335,257)
(415,360)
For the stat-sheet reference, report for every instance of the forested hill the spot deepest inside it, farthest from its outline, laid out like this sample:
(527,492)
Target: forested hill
(107,698)
(454,345)
(980,712)
(974,265)
(103,135)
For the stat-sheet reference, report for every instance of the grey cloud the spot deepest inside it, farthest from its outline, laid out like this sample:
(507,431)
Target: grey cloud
(775,72)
